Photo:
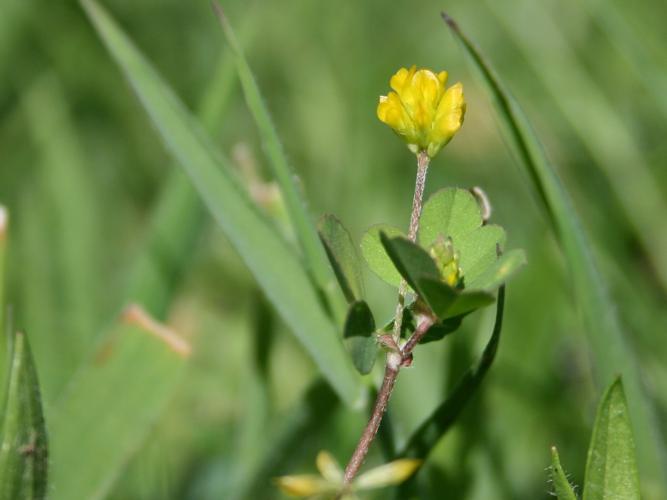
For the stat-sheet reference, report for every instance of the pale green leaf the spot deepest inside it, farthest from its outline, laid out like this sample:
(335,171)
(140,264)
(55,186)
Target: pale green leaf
(451,212)
(611,468)
(501,270)
(342,256)
(376,256)
(388,474)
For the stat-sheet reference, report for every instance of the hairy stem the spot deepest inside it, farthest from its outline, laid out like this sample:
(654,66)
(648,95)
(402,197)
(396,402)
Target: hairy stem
(420,182)
(394,359)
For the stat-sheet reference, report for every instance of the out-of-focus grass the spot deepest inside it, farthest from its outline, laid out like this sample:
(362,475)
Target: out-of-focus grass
(321,67)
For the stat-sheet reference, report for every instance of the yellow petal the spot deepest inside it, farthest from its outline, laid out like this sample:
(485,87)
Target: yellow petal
(451,111)
(388,474)
(304,485)
(329,468)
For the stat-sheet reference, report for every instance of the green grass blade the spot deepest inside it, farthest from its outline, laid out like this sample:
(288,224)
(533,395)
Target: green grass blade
(4,334)
(611,354)
(604,130)
(424,439)
(102,418)
(67,186)
(296,205)
(276,268)
(611,468)
(23,441)
(562,487)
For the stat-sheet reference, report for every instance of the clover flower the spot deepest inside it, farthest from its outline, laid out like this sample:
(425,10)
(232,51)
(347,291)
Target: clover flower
(421,110)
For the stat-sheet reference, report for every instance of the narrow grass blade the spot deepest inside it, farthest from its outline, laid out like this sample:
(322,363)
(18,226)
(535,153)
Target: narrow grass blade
(424,439)
(609,349)
(4,335)
(23,442)
(562,487)
(605,131)
(296,205)
(273,264)
(64,178)
(101,419)
(611,468)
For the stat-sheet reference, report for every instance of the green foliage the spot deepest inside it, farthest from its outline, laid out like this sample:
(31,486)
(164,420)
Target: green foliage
(562,487)
(425,438)
(342,256)
(376,256)
(272,262)
(359,333)
(611,468)
(608,345)
(23,440)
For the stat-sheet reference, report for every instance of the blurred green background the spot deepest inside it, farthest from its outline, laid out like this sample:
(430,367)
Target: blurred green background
(83,170)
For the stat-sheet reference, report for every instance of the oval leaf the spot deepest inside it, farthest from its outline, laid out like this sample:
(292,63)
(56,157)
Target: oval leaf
(342,256)
(376,256)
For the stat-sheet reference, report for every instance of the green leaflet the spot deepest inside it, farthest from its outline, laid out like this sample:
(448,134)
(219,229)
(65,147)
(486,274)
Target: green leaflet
(359,336)
(276,268)
(342,256)
(23,441)
(376,256)
(611,468)
(608,347)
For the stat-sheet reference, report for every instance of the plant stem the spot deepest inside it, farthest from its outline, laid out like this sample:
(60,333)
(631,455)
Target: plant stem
(422,168)
(394,359)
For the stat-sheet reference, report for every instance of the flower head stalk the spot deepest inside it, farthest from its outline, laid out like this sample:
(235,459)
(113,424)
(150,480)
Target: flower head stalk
(421,110)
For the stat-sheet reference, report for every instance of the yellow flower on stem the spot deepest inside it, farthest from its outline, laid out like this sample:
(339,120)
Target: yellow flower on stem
(421,110)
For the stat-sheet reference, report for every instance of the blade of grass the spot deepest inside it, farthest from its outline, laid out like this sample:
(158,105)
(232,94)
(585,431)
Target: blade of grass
(4,334)
(297,207)
(23,440)
(273,264)
(67,186)
(604,130)
(610,352)
(103,417)
(176,223)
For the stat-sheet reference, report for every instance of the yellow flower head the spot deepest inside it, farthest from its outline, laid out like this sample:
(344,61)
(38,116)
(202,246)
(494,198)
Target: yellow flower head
(421,110)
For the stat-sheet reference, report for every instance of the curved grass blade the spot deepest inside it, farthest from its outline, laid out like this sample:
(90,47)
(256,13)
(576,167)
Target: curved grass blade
(611,468)
(562,487)
(273,264)
(23,442)
(604,129)
(297,208)
(424,439)
(609,349)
